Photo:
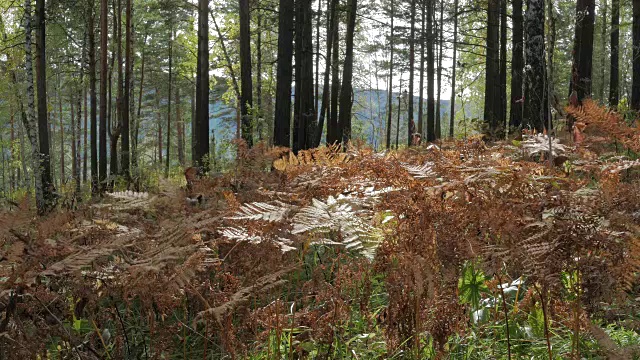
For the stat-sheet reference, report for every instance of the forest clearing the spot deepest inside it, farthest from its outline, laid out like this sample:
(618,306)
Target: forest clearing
(310,179)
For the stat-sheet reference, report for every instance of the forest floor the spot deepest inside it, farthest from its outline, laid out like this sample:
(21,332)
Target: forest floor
(463,250)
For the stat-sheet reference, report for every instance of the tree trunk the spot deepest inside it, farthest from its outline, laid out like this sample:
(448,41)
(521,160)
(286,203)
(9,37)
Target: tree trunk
(332,23)
(78,131)
(159,124)
(635,88)
(43,124)
(304,123)
(603,51)
(615,53)
(136,125)
(246,98)
(390,93)
(332,125)
(581,79)
(431,120)
(63,177)
(453,71)
(126,133)
(168,158)
(103,95)
(84,143)
(422,59)
(517,66)
(258,111)
(535,65)
(503,69)
(201,137)
(438,126)
(492,71)
(29,121)
(180,129)
(346,92)
(93,100)
(282,122)
(317,81)
(411,128)
(74,136)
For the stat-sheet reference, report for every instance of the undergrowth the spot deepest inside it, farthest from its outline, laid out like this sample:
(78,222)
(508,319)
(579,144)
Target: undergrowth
(462,251)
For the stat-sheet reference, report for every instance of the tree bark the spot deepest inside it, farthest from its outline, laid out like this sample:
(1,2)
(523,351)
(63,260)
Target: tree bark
(453,70)
(517,66)
(201,138)
(535,66)
(43,123)
(136,125)
(168,158)
(411,128)
(332,23)
(581,79)
(282,121)
(503,69)
(431,119)
(63,177)
(93,99)
(614,84)
(422,59)
(180,129)
(635,88)
(492,73)
(246,99)
(438,126)
(304,123)
(390,92)
(346,92)
(332,125)
(126,133)
(29,121)
(103,95)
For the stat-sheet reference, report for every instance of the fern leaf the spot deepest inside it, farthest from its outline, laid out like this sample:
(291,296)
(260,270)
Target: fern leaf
(262,211)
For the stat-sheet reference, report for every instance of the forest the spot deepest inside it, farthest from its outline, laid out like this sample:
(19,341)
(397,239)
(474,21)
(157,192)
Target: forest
(326,179)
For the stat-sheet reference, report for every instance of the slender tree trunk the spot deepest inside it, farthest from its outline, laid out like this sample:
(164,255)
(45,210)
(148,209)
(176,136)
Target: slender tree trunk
(180,130)
(168,158)
(332,23)
(103,94)
(92,98)
(201,129)
(517,66)
(503,69)
(246,100)
(535,65)
(159,124)
(332,125)
(438,126)
(390,92)
(317,82)
(411,125)
(78,139)
(492,74)
(74,136)
(126,133)
(422,59)
(603,50)
(63,177)
(136,125)
(85,143)
(346,92)
(43,124)
(29,121)
(615,53)
(635,88)
(282,122)
(431,119)
(453,70)
(259,114)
